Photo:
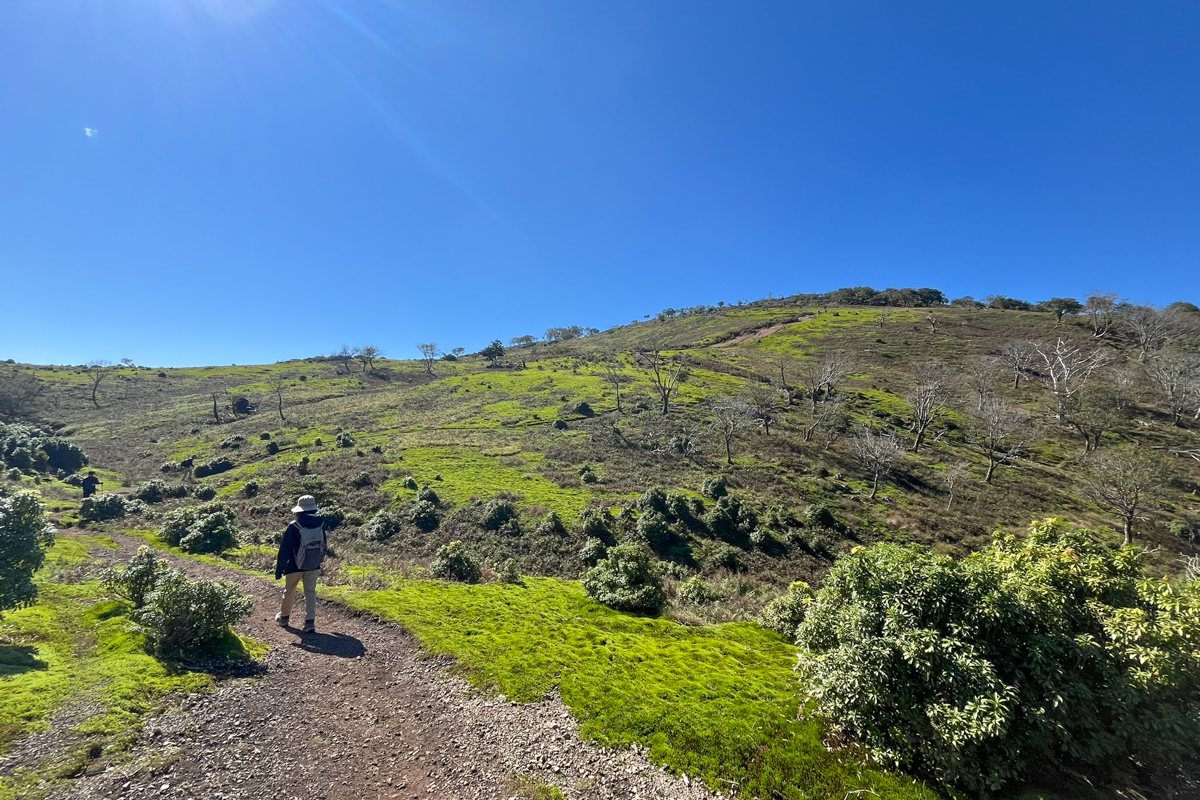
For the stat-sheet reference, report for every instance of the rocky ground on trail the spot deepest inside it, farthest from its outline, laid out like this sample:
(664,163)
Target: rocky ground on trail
(358,711)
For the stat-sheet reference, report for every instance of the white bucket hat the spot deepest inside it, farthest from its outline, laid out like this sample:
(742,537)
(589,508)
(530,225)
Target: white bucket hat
(305,503)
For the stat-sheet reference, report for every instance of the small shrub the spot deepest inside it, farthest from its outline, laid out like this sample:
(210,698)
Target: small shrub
(303,467)
(653,499)
(264,436)
(625,579)
(25,535)
(428,495)
(176,491)
(583,410)
(714,488)
(654,528)
(587,476)
(595,524)
(699,593)
(137,580)
(764,540)
(362,480)
(250,489)
(551,525)
(272,448)
(169,466)
(13,474)
(383,526)
(497,512)
(723,556)
(186,616)
(592,551)
(510,574)
(232,442)
(453,562)
(410,483)
(1185,529)
(785,613)
(199,529)
(377,449)
(819,515)
(150,492)
(423,515)
(100,507)
(560,425)
(214,467)
(204,492)
(333,516)
(678,507)
(345,440)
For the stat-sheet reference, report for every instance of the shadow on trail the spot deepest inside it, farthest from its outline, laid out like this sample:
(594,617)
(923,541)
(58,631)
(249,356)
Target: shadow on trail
(331,644)
(15,659)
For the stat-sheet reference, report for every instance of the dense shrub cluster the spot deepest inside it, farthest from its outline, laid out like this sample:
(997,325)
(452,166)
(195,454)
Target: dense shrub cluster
(25,533)
(138,578)
(497,512)
(383,526)
(626,579)
(214,467)
(100,507)
(156,491)
(207,528)
(454,563)
(26,447)
(1050,646)
(785,613)
(423,515)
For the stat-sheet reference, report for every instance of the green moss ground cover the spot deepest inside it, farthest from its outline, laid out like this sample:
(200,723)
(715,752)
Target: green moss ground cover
(720,703)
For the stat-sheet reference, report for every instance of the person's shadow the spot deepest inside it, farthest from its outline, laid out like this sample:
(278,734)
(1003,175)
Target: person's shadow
(331,644)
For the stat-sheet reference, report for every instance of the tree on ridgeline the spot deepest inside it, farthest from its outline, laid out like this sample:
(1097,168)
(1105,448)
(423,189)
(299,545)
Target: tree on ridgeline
(97,371)
(493,352)
(367,356)
(429,355)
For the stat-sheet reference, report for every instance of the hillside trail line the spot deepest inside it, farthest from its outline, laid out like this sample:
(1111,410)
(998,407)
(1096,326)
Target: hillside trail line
(359,711)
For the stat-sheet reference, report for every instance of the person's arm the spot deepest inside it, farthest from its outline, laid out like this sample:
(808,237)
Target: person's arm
(286,547)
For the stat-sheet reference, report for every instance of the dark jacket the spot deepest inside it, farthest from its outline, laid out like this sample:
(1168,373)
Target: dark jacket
(285,562)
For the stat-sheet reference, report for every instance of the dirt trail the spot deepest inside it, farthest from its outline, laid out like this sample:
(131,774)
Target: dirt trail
(355,712)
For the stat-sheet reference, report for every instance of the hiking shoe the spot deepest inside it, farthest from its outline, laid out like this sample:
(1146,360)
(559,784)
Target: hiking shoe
(281,620)
(310,626)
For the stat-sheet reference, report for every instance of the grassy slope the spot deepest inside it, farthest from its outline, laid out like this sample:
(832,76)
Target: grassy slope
(78,646)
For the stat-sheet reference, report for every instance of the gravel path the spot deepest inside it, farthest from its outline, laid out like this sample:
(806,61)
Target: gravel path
(357,711)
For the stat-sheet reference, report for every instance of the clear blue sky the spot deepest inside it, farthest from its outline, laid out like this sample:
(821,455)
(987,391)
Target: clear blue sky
(273,178)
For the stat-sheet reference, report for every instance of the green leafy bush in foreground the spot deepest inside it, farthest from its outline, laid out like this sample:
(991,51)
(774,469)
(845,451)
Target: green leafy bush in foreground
(626,579)
(1050,647)
(184,615)
(207,528)
(24,536)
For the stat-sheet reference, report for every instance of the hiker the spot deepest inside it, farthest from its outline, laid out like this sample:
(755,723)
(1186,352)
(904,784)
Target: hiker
(90,483)
(299,559)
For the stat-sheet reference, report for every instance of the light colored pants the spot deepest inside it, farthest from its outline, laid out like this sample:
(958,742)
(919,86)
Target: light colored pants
(310,593)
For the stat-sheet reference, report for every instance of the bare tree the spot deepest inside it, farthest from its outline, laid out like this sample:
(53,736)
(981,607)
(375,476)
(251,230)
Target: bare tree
(825,375)
(1177,377)
(935,322)
(930,398)
(951,477)
(346,356)
(666,375)
(367,356)
(216,409)
(763,400)
(731,415)
(820,416)
(981,376)
(612,372)
(278,387)
(785,388)
(97,371)
(1001,431)
(884,313)
(1100,309)
(1150,329)
(429,355)
(877,453)
(1020,357)
(1067,369)
(1124,480)
(1092,412)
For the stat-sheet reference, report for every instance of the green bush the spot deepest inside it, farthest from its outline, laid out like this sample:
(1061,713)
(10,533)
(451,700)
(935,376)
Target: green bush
(699,593)
(497,512)
(150,492)
(100,507)
(1050,647)
(207,528)
(272,448)
(509,573)
(423,515)
(587,476)
(176,491)
(265,435)
(250,489)
(383,526)
(429,496)
(410,483)
(204,492)
(626,579)
(454,563)
(722,556)
(188,616)
(819,515)
(653,499)
(560,425)
(25,534)
(345,440)
(551,525)
(28,447)
(592,551)
(214,467)
(654,528)
(13,474)
(232,442)
(595,524)
(137,580)
(714,488)
(785,613)
(1187,530)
